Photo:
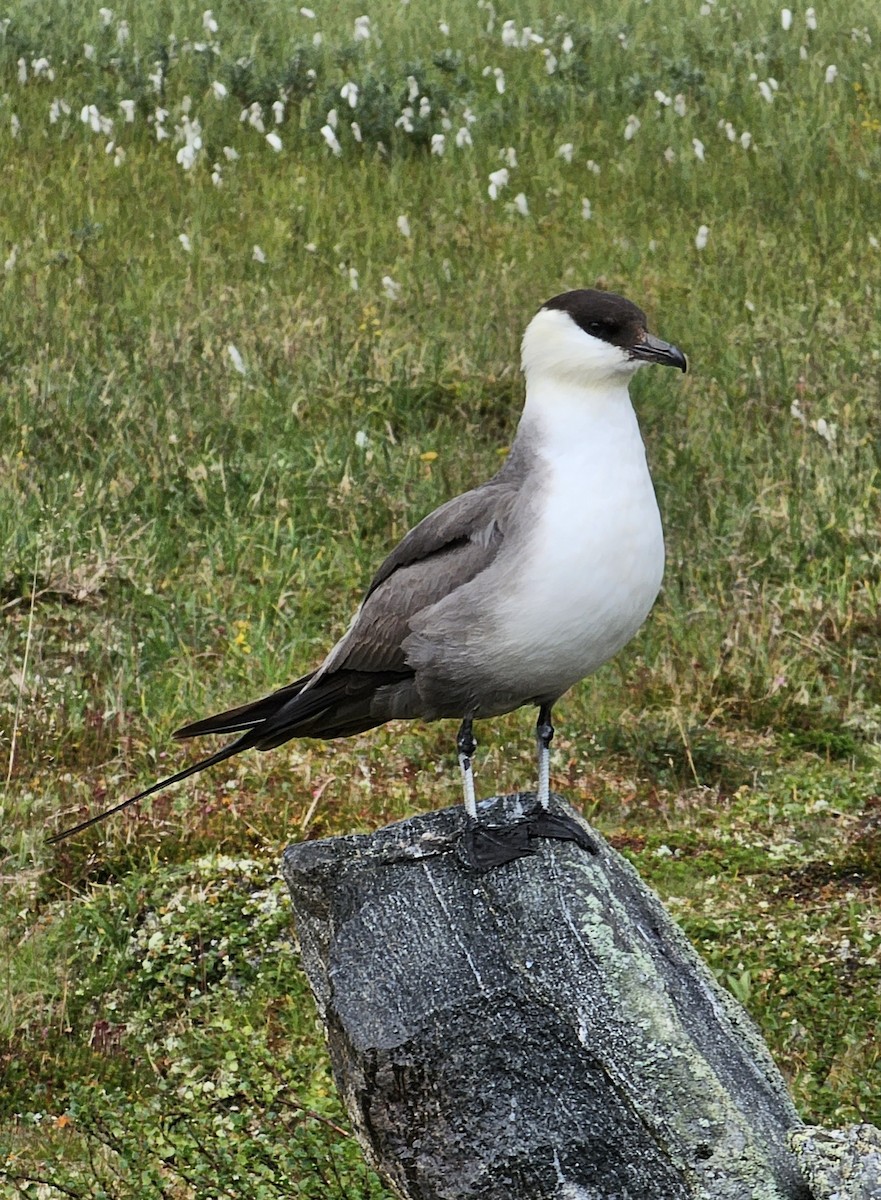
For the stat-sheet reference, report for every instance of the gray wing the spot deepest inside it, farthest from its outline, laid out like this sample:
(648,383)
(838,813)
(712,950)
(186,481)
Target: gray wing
(446,550)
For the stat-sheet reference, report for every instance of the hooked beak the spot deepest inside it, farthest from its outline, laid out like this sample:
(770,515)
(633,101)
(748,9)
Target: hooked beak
(652,349)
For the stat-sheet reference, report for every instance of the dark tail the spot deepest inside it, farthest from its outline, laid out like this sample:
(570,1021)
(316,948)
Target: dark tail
(337,706)
(241,743)
(246,716)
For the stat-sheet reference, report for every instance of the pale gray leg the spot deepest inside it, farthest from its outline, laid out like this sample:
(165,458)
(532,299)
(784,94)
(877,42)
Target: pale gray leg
(544,733)
(466,745)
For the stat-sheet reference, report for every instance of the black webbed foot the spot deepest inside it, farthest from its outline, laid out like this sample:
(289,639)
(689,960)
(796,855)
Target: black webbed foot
(482,847)
(544,824)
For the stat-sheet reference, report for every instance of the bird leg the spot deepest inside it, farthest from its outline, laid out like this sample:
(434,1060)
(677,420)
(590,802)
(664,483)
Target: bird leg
(466,745)
(544,733)
(483,846)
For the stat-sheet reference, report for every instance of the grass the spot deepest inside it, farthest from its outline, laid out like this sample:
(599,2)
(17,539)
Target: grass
(177,535)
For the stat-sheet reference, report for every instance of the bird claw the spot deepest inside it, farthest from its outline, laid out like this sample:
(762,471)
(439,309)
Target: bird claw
(482,847)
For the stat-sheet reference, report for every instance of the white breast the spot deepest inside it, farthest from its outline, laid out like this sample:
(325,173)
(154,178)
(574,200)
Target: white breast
(593,561)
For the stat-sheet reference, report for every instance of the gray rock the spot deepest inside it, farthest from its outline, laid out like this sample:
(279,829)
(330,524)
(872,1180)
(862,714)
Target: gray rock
(542,1031)
(840,1164)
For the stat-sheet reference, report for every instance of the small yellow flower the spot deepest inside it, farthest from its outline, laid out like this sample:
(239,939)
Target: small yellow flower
(428,456)
(241,638)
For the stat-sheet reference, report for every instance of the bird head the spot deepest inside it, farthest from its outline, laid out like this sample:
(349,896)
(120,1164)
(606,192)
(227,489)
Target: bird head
(594,339)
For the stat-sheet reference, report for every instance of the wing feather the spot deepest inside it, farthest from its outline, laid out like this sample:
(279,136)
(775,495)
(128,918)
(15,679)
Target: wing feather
(449,548)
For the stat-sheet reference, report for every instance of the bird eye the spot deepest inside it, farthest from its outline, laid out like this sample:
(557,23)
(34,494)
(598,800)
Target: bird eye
(598,327)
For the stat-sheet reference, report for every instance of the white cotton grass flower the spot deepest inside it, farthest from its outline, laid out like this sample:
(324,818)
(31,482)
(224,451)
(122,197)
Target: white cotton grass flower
(353,278)
(873,242)
(766,91)
(253,114)
(332,118)
(257,255)
(497,180)
(663,99)
(670,155)
(438,144)
(106,15)
(551,62)
(362,441)
(827,430)
(391,288)
(191,132)
(746,139)
(586,210)
(349,92)
(510,36)
(463,137)
(185,242)
(331,138)
(356,131)
(274,141)
(219,90)
(97,123)
(236,359)
(810,19)
(521,204)
(786,19)
(209,24)
(230,154)
(631,128)
(56,108)
(278,111)
(123,33)
(702,237)
(698,147)
(361,31)
(499,75)
(831,73)
(128,110)
(89,52)
(679,105)
(593,167)
(424,108)
(403,224)
(308,13)
(41,66)
(509,157)
(566,151)
(444,28)
(9,265)
(216,175)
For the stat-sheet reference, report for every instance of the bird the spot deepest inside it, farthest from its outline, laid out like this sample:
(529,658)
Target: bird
(505,596)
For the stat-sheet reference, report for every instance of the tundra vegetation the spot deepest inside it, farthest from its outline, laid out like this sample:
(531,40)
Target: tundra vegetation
(265,271)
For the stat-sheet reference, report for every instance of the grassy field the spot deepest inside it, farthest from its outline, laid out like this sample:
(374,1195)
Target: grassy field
(236,366)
